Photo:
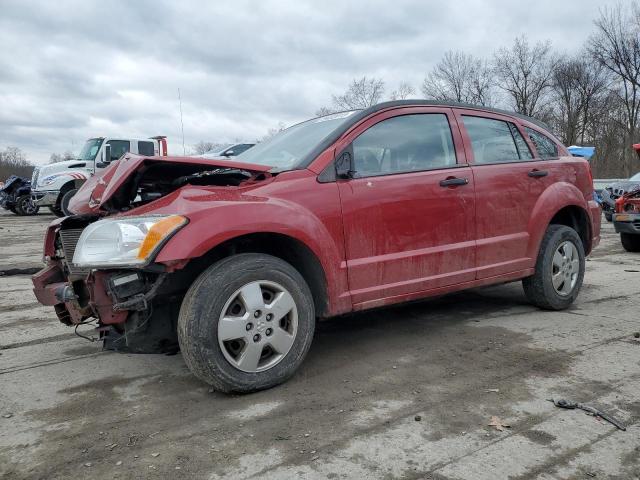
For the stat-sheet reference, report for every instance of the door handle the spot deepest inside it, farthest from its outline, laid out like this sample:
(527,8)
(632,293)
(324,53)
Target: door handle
(453,182)
(538,173)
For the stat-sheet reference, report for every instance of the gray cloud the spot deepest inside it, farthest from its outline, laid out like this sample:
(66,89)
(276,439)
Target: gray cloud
(70,70)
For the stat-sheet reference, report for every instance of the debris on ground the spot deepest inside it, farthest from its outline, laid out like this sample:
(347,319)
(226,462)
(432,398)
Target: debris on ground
(7,415)
(562,403)
(498,424)
(417,418)
(636,335)
(492,390)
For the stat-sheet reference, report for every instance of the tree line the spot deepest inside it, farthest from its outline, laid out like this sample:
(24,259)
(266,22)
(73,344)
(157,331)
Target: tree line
(590,98)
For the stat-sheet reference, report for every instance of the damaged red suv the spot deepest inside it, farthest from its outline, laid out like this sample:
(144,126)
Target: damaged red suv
(236,260)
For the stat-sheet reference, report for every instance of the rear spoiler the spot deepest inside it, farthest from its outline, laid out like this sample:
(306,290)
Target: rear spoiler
(162,144)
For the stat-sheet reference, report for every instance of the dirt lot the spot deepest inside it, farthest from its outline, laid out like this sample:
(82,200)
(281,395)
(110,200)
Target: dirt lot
(404,392)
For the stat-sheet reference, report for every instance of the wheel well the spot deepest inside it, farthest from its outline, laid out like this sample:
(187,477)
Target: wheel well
(70,185)
(576,218)
(292,251)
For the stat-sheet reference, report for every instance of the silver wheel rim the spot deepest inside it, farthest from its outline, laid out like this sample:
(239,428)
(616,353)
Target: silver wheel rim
(257,326)
(565,268)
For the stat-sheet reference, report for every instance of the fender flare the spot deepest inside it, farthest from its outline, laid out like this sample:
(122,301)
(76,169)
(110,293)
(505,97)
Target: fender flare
(556,197)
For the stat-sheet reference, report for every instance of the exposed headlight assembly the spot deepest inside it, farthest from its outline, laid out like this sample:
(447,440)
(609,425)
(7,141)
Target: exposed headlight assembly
(124,241)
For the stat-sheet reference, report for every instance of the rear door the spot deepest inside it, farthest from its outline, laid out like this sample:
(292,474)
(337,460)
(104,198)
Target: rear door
(508,181)
(408,212)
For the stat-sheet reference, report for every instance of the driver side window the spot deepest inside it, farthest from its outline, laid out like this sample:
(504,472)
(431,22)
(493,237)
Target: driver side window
(118,148)
(402,144)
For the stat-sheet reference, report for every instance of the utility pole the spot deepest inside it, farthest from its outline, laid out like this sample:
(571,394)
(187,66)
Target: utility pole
(184,151)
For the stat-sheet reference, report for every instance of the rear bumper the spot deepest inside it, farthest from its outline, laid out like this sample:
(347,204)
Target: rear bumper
(45,198)
(627,223)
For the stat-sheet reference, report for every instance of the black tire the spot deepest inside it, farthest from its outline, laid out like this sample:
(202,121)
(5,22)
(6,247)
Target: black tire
(64,202)
(12,210)
(630,242)
(539,287)
(25,207)
(202,307)
(56,211)
(608,216)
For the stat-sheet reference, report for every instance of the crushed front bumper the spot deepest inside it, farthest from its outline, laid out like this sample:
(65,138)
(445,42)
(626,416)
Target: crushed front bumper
(44,198)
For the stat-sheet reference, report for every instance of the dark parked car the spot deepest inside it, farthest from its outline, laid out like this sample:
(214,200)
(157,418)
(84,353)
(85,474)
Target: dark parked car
(237,259)
(15,196)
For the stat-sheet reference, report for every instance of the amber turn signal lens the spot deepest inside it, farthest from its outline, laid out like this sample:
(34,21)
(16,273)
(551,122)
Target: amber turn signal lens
(158,232)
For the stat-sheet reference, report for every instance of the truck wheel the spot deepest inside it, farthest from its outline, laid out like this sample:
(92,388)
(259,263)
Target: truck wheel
(608,216)
(56,211)
(24,206)
(559,269)
(630,242)
(246,323)
(64,202)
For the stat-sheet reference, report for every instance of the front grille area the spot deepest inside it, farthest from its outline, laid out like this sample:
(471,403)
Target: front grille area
(69,239)
(34,178)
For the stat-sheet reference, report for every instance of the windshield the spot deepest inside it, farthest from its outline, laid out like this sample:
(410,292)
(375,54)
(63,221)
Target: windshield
(285,150)
(90,149)
(636,177)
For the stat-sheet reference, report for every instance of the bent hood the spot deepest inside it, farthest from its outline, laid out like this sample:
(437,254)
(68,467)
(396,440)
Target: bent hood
(100,188)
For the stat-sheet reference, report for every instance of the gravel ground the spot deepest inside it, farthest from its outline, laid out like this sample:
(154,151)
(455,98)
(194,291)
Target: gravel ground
(404,392)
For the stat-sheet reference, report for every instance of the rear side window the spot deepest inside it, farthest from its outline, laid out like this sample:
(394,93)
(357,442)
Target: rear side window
(404,144)
(546,147)
(495,141)
(146,148)
(119,148)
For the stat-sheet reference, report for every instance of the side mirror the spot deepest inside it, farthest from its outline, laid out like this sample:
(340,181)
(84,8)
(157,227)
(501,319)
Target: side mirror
(344,165)
(106,157)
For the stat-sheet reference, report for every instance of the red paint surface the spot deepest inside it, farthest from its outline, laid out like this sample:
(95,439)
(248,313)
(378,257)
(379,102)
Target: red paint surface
(385,239)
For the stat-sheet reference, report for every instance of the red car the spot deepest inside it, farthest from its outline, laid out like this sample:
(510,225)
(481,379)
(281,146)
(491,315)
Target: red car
(236,260)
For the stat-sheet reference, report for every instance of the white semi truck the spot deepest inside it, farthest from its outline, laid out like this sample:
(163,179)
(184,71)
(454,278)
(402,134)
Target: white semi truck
(53,185)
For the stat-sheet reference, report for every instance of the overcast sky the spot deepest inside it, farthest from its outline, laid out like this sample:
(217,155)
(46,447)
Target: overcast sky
(70,70)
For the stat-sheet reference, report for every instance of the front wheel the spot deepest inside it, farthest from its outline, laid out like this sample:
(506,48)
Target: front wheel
(608,216)
(630,242)
(64,202)
(559,269)
(246,323)
(56,211)
(25,206)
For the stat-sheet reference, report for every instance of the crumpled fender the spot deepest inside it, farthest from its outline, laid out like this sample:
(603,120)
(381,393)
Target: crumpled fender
(224,218)
(556,197)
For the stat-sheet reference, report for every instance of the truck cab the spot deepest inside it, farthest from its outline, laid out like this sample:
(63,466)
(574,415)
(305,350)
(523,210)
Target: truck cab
(54,185)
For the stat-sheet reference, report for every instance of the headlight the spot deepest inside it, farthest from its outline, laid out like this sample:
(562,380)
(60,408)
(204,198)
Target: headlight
(124,241)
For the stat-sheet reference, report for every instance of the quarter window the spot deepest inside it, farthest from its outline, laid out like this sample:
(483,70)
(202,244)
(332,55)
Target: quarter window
(495,141)
(546,147)
(404,144)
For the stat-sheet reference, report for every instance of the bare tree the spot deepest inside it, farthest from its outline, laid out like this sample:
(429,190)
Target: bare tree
(204,147)
(361,93)
(13,161)
(459,77)
(577,86)
(525,73)
(57,157)
(322,111)
(403,92)
(616,46)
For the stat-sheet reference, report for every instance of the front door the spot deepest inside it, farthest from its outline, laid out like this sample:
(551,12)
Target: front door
(408,211)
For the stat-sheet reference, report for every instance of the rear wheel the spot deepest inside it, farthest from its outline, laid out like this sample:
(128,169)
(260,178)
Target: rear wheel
(630,242)
(25,206)
(559,269)
(64,202)
(608,216)
(246,323)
